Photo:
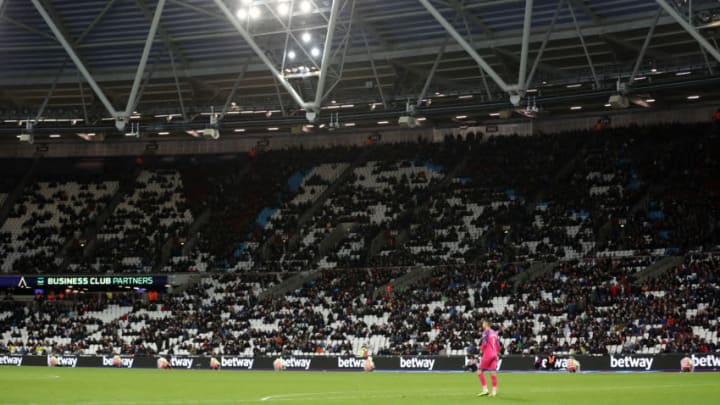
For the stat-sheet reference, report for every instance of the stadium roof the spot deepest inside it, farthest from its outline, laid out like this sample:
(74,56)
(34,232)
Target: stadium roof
(258,63)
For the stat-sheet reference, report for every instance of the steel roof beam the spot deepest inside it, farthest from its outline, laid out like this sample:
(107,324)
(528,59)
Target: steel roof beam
(261,54)
(75,58)
(527,26)
(430,76)
(419,49)
(587,10)
(545,41)
(469,49)
(234,88)
(641,55)
(374,70)
(26,27)
(132,99)
(327,50)
(289,34)
(482,73)
(181,101)
(81,38)
(461,9)
(690,29)
(582,42)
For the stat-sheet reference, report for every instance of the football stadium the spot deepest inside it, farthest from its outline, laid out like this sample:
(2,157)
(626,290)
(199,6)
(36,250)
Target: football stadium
(359,201)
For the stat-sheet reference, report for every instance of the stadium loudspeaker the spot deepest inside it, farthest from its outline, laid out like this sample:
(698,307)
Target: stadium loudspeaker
(211,133)
(505,114)
(407,121)
(26,138)
(618,101)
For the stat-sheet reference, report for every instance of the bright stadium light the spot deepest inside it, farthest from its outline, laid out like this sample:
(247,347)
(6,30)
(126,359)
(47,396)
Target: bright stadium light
(254,12)
(315,51)
(241,14)
(306,37)
(291,55)
(283,9)
(305,6)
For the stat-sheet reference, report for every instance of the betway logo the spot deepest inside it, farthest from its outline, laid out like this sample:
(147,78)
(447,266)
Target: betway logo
(351,363)
(65,361)
(182,362)
(709,360)
(124,362)
(631,362)
(417,363)
(298,363)
(236,362)
(559,363)
(11,360)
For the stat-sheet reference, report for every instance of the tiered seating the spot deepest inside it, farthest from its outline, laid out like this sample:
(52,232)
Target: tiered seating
(590,306)
(374,199)
(132,238)
(350,251)
(45,217)
(317,181)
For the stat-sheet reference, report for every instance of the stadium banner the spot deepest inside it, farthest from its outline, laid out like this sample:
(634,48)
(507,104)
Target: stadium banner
(91,282)
(624,363)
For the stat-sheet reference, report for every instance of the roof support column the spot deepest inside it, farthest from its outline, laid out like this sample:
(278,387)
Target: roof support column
(527,25)
(327,50)
(132,99)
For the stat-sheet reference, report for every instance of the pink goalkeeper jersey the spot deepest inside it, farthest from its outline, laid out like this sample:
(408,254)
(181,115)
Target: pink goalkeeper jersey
(490,344)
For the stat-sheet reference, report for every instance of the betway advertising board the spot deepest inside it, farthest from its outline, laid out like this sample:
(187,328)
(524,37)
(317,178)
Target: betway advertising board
(622,363)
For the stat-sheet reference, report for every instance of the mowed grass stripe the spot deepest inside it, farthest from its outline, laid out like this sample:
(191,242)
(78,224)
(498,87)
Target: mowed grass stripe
(30,385)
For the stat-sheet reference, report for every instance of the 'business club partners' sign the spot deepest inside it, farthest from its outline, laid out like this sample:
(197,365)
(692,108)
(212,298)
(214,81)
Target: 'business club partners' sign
(82,281)
(93,281)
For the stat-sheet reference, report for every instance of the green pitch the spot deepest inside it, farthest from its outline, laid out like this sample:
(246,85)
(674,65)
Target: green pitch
(30,385)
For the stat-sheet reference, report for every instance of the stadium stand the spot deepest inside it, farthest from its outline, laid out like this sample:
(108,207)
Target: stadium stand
(481,217)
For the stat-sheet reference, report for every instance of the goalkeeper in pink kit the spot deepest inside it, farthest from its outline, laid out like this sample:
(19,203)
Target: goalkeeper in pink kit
(490,348)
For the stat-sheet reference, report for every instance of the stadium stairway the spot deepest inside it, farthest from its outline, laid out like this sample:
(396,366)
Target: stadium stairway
(294,240)
(190,240)
(536,270)
(289,284)
(17,192)
(565,172)
(412,278)
(379,242)
(194,230)
(90,234)
(658,268)
(330,242)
